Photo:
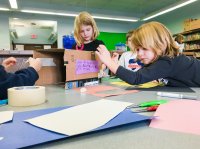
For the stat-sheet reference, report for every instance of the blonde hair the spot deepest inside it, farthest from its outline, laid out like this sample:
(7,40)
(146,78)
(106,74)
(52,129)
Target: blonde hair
(155,36)
(179,38)
(84,18)
(129,34)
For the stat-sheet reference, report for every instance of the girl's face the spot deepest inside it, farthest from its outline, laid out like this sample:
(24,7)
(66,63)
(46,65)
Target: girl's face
(146,56)
(86,32)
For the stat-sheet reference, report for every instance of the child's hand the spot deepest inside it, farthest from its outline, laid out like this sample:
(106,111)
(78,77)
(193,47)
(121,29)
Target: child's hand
(115,57)
(103,54)
(9,62)
(35,63)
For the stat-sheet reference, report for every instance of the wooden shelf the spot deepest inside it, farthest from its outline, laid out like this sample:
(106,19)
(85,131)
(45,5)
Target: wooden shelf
(186,41)
(191,31)
(194,54)
(186,50)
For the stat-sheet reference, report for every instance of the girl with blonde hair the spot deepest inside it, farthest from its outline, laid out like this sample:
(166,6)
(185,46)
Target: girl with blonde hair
(159,53)
(86,32)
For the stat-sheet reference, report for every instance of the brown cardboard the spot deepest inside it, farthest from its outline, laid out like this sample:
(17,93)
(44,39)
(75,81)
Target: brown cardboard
(51,74)
(191,24)
(47,74)
(70,58)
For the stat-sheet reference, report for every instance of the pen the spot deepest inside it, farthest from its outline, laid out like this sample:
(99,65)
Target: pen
(148,103)
(175,95)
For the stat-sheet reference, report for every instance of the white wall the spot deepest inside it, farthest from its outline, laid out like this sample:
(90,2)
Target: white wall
(24,35)
(174,19)
(4,32)
(64,24)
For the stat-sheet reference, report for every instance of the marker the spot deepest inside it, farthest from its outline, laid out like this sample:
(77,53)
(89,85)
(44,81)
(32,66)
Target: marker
(148,103)
(175,95)
(3,102)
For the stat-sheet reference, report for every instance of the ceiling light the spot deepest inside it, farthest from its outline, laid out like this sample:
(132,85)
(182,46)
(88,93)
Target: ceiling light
(13,4)
(4,9)
(117,19)
(169,9)
(49,13)
(74,15)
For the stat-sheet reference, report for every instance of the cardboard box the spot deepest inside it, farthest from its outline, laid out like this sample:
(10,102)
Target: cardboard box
(21,57)
(191,24)
(85,60)
(51,73)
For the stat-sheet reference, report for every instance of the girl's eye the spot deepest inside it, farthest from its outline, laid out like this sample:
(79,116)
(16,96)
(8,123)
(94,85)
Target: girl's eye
(88,29)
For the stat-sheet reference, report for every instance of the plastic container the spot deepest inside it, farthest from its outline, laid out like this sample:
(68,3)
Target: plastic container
(68,41)
(120,46)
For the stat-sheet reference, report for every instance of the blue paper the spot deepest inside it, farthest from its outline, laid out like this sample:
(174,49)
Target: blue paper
(18,134)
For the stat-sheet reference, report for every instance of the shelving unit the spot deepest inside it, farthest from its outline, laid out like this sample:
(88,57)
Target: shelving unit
(192,43)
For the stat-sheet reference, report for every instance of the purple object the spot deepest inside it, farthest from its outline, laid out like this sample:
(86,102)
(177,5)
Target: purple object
(86,66)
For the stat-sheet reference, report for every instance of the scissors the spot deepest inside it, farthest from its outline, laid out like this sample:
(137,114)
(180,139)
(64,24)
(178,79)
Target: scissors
(148,106)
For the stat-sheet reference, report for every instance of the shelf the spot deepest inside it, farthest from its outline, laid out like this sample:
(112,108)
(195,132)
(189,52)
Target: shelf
(191,31)
(191,40)
(189,53)
(194,54)
(192,50)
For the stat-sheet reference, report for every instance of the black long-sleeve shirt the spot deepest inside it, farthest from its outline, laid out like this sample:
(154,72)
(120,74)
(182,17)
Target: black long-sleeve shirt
(180,71)
(92,46)
(24,77)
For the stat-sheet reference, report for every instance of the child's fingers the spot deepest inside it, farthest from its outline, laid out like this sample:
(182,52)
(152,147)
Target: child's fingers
(98,54)
(99,50)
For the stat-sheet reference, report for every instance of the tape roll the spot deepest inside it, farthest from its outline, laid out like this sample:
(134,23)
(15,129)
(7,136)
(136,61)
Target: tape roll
(26,95)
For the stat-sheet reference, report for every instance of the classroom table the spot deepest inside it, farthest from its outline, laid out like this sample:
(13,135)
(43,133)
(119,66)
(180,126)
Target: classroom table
(131,136)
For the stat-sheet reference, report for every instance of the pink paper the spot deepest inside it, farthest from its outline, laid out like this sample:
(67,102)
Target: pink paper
(106,91)
(180,115)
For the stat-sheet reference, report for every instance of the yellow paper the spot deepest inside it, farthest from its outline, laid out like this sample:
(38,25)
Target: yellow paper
(144,85)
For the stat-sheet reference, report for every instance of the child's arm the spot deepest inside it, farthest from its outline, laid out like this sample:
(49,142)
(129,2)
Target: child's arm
(105,57)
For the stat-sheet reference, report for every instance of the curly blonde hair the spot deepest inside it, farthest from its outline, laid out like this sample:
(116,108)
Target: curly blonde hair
(84,18)
(155,36)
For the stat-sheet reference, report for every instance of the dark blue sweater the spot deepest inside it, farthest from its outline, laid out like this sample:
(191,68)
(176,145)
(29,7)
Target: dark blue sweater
(24,77)
(180,71)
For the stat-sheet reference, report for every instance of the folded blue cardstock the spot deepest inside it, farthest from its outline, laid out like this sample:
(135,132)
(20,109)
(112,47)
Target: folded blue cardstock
(18,134)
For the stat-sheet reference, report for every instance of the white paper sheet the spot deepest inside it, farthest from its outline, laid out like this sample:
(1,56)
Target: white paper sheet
(6,116)
(80,119)
(47,62)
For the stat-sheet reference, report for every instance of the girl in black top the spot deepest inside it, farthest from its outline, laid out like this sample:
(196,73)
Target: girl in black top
(86,32)
(160,54)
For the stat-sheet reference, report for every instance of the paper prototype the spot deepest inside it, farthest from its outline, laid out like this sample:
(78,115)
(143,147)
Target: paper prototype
(180,115)
(81,118)
(6,116)
(86,66)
